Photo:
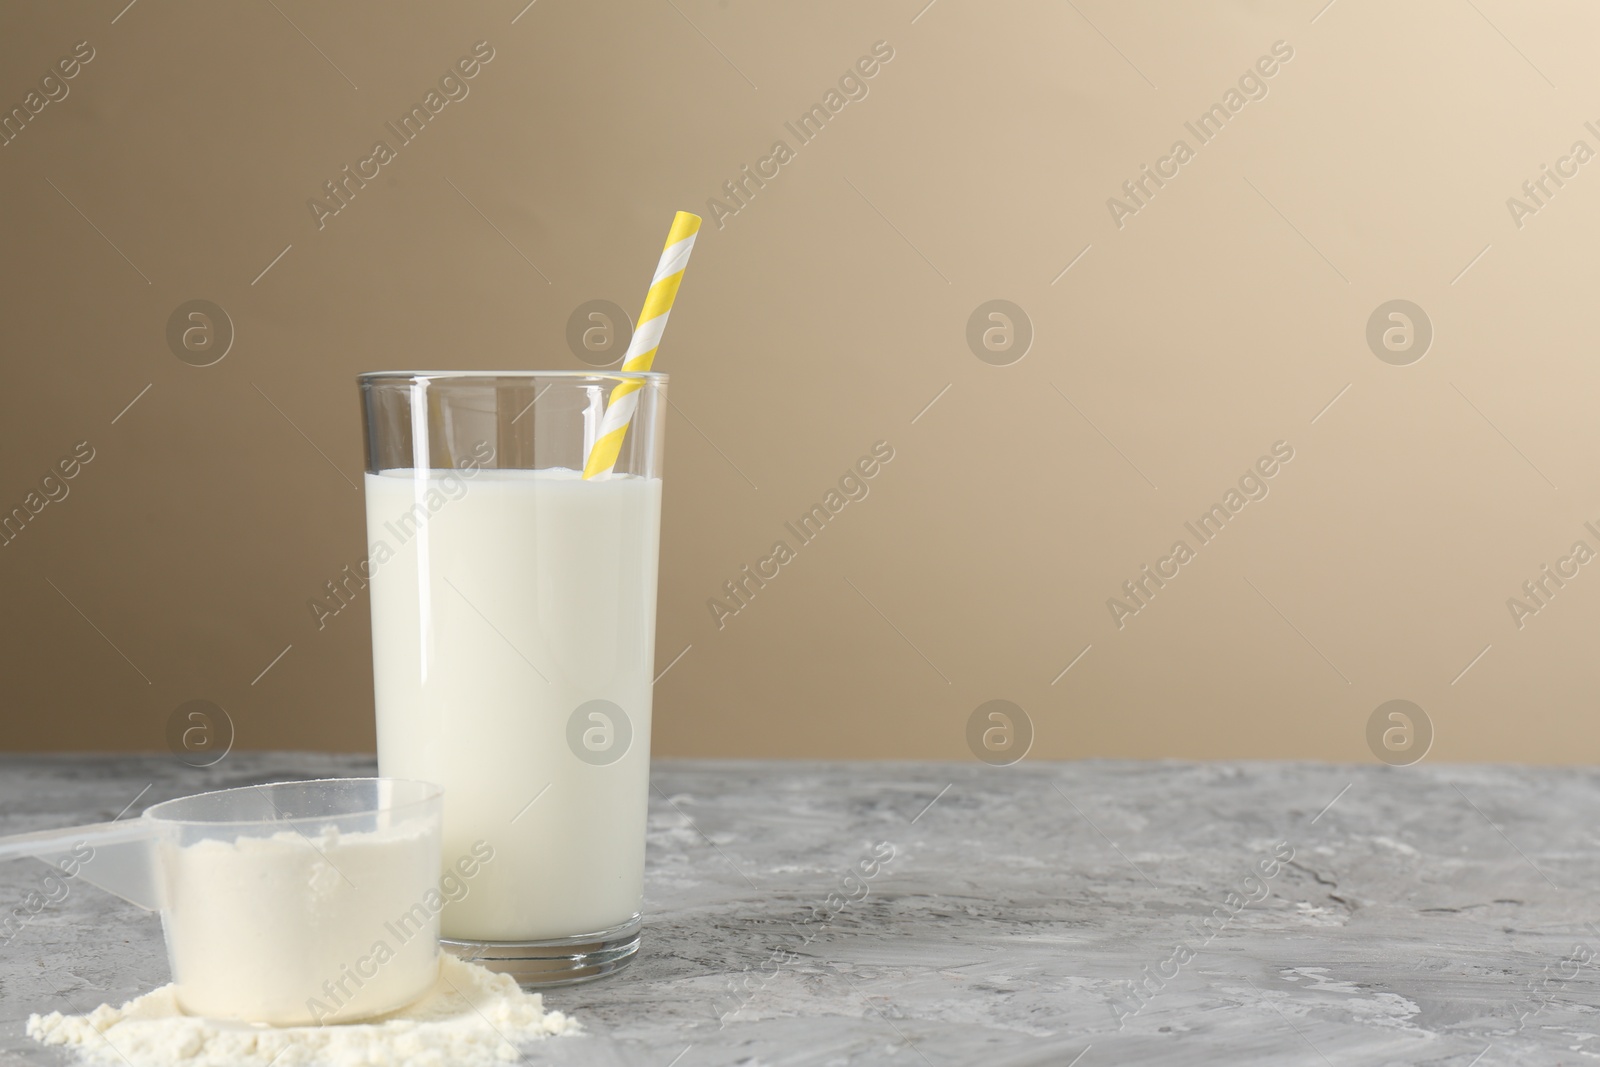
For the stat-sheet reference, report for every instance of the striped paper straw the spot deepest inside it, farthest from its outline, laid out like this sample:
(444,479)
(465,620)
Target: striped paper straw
(646,339)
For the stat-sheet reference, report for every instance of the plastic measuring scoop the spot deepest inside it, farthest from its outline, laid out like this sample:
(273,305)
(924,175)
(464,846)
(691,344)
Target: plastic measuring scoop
(112,855)
(289,904)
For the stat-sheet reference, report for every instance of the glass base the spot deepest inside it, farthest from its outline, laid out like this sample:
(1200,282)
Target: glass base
(558,961)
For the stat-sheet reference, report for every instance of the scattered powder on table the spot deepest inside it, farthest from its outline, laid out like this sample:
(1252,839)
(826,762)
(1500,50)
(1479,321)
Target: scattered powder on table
(471,1017)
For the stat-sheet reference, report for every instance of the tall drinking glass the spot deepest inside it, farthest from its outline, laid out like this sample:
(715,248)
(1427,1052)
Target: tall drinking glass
(513,649)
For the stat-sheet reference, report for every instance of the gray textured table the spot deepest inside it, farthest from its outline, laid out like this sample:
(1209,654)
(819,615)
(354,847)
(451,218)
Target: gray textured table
(1429,915)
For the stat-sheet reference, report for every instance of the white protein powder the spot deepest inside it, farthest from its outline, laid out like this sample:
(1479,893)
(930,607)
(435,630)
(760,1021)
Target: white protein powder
(300,929)
(471,1017)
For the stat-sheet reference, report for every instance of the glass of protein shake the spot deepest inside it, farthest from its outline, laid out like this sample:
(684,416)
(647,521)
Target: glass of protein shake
(513,642)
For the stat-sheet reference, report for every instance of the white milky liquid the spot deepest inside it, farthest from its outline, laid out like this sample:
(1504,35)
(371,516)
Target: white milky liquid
(520,596)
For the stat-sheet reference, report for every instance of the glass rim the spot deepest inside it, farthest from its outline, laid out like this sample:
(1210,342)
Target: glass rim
(373,376)
(430,793)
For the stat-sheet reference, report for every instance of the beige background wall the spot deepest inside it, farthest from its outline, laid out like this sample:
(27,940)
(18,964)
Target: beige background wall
(1222,317)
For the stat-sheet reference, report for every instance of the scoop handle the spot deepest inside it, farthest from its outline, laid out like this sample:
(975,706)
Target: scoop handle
(119,857)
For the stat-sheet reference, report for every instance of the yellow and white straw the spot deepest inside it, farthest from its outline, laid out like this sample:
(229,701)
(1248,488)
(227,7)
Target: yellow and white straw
(646,339)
